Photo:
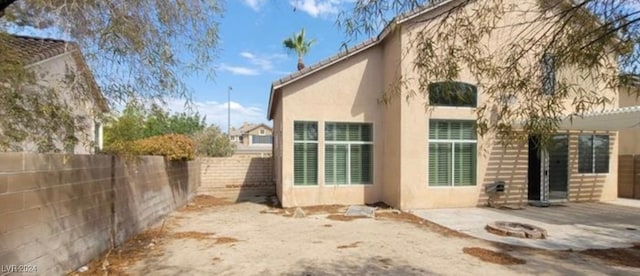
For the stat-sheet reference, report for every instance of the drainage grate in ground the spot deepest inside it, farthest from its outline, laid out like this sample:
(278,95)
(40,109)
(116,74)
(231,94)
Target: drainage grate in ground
(516,229)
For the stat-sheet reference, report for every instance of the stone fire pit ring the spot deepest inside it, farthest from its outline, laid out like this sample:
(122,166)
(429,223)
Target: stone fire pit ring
(516,229)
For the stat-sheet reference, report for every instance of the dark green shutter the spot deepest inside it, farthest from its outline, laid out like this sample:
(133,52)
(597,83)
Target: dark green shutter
(465,164)
(305,154)
(335,164)
(444,169)
(361,164)
(439,164)
(338,155)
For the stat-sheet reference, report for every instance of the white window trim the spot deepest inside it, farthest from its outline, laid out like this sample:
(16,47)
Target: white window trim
(293,153)
(348,143)
(453,158)
(593,156)
(372,142)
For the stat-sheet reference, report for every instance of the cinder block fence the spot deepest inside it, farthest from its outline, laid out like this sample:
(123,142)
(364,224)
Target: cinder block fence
(238,177)
(57,212)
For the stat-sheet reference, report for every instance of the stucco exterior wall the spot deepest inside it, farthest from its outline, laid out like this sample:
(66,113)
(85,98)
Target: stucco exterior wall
(629,96)
(593,187)
(492,158)
(277,145)
(392,118)
(256,131)
(247,138)
(414,142)
(53,73)
(346,92)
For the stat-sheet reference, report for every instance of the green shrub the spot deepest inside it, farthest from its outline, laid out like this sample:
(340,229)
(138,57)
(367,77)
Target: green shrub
(171,146)
(213,143)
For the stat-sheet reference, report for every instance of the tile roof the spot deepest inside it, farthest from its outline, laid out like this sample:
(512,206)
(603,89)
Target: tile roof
(33,49)
(348,52)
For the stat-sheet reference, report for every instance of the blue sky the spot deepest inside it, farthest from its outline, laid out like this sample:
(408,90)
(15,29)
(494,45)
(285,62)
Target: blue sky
(251,54)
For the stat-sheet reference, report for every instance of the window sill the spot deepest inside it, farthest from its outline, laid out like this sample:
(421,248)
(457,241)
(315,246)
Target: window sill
(348,185)
(451,187)
(592,174)
(306,186)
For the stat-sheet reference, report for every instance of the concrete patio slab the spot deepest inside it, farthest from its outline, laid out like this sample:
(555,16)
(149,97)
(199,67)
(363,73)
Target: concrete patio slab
(577,226)
(625,202)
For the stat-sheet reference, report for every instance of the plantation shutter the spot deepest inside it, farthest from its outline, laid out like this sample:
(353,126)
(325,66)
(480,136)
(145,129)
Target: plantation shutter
(465,158)
(468,131)
(452,157)
(341,132)
(311,163)
(299,164)
(335,164)
(439,164)
(361,164)
(305,153)
(348,153)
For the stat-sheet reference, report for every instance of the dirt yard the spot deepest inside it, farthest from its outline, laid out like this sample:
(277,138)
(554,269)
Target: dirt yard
(210,237)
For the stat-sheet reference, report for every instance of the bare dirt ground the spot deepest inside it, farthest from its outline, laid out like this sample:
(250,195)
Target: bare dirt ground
(212,237)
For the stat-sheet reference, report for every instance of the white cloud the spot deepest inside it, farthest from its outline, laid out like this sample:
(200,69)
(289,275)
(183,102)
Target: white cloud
(238,70)
(264,62)
(317,8)
(216,113)
(255,5)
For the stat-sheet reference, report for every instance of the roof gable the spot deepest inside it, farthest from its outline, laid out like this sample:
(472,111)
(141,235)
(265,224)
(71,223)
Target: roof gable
(31,50)
(247,128)
(398,20)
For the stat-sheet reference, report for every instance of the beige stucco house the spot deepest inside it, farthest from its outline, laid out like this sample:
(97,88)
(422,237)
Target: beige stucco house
(335,143)
(59,66)
(251,134)
(629,151)
(630,97)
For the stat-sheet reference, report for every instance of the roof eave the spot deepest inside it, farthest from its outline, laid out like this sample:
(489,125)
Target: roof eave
(269,113)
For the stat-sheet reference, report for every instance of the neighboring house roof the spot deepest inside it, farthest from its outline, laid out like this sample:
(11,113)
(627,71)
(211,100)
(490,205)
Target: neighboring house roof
(400,19)
(247,128)
(32,50)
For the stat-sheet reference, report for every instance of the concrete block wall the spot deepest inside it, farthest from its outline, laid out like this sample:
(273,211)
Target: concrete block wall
(56,210)
(237,177)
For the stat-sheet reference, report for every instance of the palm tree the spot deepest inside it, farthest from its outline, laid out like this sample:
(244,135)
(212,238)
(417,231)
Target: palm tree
(297,43)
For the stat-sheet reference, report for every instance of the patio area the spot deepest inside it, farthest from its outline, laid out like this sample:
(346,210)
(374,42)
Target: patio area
(575,226)
(211,236)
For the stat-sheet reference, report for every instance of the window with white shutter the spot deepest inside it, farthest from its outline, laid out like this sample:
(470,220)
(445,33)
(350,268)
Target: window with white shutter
(452,153)
(305,153)
(348,155)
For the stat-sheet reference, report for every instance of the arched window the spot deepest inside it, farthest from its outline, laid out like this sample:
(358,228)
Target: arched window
(453,93)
